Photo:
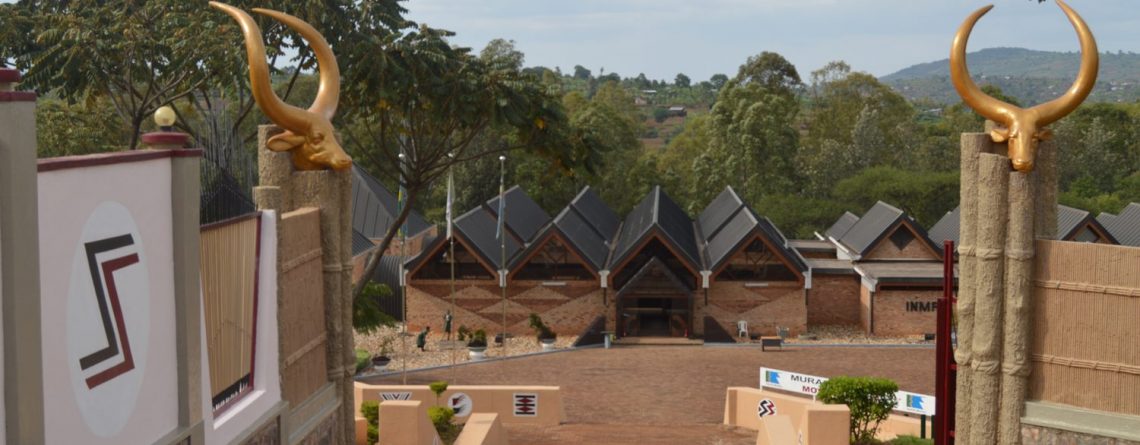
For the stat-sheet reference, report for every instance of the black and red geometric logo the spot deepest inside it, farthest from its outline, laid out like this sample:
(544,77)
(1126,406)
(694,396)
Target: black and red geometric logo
(110,310)
(766,408)
(526,404)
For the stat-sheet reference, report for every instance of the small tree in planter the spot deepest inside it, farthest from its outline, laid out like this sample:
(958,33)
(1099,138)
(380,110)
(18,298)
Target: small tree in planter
(870,400)
(542,332)
(371,411)
(476,344)
(441,415)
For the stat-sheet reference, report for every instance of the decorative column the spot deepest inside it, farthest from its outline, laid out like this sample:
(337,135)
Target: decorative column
(20,265)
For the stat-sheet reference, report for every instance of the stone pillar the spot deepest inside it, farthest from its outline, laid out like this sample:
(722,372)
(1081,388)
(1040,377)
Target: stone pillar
(1017,319)
(1045,178)
(972,145)
(985,384)
(20,265)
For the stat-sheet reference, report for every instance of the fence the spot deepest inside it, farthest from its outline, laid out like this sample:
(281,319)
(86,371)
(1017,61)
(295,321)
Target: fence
(229,257)
(1085,306)
(302,313)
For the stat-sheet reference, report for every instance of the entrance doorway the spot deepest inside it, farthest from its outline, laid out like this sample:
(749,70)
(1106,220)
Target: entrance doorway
(655,316)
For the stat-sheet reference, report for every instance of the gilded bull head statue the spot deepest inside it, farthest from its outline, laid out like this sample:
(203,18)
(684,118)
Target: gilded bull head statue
(1023,128)
(309,133)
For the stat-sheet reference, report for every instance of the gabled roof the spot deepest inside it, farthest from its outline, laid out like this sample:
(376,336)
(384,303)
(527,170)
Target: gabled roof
(1124,227)
(579,236)
(657,212)
(727,225)
(1069,222)
(655,264)
(524,216)
(477,228)
(594,211)
(842,225)
(360,243)
(948,227)
(876,224)
(374,208)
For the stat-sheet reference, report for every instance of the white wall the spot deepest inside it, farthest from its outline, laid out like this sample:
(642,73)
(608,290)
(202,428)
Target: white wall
(241,415)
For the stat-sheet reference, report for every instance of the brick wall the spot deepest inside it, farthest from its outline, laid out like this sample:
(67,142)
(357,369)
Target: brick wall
(568,309)
(833,299)
(764,308)
(906,312)
(916,249)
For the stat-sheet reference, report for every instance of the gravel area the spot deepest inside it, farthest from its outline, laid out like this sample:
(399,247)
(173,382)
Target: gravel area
(667,394)
(852,335)
(388,341)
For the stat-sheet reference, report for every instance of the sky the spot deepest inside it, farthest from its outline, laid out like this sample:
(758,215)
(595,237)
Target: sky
(704,37)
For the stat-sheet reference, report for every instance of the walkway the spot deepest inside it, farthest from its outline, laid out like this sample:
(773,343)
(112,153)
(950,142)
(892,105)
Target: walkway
(669,394)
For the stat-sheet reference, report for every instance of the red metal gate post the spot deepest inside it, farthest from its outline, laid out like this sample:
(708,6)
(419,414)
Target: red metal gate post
(946,370)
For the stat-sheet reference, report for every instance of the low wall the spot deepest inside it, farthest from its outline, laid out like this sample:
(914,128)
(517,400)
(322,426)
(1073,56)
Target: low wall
(535,405)
(483,429)
(748,407)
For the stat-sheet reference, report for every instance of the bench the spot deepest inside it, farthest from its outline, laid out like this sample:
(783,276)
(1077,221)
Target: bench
(771,341)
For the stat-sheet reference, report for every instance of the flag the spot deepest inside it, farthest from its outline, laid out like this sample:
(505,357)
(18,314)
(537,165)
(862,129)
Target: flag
(450,198)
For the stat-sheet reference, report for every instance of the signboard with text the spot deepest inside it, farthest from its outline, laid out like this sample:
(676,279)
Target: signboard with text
(907,402)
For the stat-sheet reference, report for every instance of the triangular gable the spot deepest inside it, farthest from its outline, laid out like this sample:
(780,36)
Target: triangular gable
(781,255)
(551,235)
(904,240)
(657,215)
(654,234)
(1090,230)
(652,265)
(439,247)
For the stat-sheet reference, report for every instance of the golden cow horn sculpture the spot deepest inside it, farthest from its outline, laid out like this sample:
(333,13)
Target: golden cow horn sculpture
(310,134)
(1023,128)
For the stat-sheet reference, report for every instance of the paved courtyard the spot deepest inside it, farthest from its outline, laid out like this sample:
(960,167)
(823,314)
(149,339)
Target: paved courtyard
(668,394)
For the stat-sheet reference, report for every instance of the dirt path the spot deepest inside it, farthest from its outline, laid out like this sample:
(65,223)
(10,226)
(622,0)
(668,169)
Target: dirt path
(670,394)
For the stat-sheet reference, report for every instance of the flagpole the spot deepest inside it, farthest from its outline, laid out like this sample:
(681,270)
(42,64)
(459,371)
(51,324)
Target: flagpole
(451,255)
(403,278)
(503,244)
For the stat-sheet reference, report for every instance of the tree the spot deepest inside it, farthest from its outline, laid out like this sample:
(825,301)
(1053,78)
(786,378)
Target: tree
(413,93)
(681,81)
(580,72)
(718,81)
(772,71)
(870,400)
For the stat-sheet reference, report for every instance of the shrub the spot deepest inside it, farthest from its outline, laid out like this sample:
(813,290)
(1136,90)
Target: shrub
(870,400)
(911,440)
(478,339)
(438,388)
(367,316)
(541,330)
(441,419)
(462,333)
(371,411)
(363,359)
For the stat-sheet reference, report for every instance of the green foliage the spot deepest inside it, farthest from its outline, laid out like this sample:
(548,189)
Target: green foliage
(926,196)
(478,339)
(441,418)
(462,333)
(363,359)
(870,399)
(80,128)
(370,409)
(541,330)
(911,440)
(366,314)
(438,387)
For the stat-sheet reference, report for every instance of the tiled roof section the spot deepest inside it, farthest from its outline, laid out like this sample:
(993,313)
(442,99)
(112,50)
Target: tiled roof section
(594,211)
(903,272)
(578,233)
(657,210)
(727,225)
(828,266)
(842,225)
(947,228)
(524,216)
(374,208)
(872,226)
(360,243)
(1125,227)
(812,245)
(1069,220)
(478,228)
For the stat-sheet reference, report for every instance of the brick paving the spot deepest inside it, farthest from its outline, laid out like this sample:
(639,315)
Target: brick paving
(669,394)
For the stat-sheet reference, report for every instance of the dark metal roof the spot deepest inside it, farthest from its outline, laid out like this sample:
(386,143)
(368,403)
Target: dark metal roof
(828,266)
(947,228)
(477,227)
(903,272)
(1125,227)
(1069,220)
(811,245)
(655,264)
(388,273)
(872,226)
(360,243)
(842,225)
(731,225)
(582,235)
(374,207)
(658,211)
(594,211)
(524,216)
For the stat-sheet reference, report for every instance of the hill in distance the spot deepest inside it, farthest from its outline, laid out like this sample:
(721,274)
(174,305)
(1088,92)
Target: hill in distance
(1028,75)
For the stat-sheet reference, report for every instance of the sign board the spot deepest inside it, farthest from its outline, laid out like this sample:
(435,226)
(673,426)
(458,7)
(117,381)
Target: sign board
(461,403)
(526,404)
(907,402)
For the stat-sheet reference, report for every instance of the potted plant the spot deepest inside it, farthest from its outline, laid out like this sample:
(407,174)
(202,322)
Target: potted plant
(381,360)
(543,333)
(476,345)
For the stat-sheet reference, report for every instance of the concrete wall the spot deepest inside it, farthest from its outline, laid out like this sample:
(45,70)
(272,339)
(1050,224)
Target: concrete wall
(906,312)
(833,300)
(484,399)
(764,308)
(568,308)
(743,409)
(302,310)
(865,320)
